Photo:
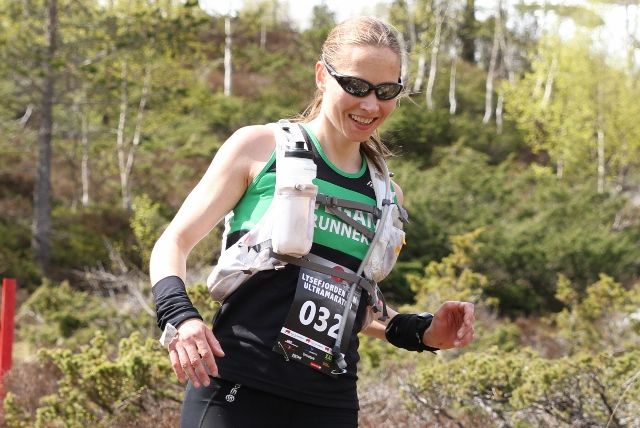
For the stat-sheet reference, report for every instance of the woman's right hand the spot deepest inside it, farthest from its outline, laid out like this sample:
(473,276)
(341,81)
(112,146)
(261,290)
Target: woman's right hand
(192,352)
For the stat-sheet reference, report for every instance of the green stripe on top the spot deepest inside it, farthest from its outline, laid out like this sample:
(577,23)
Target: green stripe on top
(256,199)
(330,164)
(329,231)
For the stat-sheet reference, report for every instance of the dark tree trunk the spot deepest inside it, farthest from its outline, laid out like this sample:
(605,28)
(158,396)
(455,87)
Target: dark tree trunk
(467,32)
(41,228)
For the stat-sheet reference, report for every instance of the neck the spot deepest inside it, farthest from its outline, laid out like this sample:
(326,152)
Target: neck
(342,153)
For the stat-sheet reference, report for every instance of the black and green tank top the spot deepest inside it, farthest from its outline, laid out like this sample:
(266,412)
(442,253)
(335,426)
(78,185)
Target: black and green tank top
(333,239)
(248,322)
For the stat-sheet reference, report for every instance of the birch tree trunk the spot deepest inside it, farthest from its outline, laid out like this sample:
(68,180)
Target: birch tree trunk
(84,162)
(560,168)
(434,55)
(404,72)
(508,68)
(137,132)
(453,104)
(495,48)
(600,140)
(422,62)
(548,87)
(120,132)
(41,226)
(127,153)
(499,110)
(263,34)
(227,56)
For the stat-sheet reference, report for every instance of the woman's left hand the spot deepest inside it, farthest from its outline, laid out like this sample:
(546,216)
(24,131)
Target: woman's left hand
(451,327)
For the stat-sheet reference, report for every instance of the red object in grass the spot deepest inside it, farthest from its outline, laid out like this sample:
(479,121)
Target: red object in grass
(7,312)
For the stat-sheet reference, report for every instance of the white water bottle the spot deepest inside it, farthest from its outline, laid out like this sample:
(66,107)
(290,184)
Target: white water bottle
(295,200)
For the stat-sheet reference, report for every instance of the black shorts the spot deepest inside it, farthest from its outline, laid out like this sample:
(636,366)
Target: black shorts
(225,404)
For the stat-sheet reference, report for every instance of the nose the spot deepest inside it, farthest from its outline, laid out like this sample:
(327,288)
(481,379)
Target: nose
(370,102)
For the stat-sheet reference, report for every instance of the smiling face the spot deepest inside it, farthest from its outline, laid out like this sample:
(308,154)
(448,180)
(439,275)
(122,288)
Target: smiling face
(349,118)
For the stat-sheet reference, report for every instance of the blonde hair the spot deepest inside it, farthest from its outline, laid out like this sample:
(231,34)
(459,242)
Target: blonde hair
(361,31)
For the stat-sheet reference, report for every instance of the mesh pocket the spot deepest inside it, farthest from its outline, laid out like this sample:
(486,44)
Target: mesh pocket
(385,252)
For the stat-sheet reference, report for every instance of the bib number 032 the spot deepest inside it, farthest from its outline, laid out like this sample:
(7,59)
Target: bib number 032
(309,313)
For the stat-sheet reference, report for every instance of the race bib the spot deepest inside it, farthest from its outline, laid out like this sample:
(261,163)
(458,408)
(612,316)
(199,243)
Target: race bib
(313,322)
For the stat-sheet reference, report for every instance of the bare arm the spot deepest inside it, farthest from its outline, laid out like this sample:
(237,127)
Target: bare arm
(225,181)
(235,165)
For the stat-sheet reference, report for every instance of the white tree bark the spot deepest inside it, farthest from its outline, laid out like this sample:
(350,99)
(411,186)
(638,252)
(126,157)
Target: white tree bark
(560,168)
(127,152)
(26,116)
(435,48)
(227,56)
(453,104)
(548,87)
(499,110)
(120,132)
(422,62)
(507,61)
(600,141)
(404,72)
(495,48)
(79,109)
(84,163)
(137,132)
(263,34)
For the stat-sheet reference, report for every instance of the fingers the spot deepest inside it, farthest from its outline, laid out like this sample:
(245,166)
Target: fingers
(465,333)
(464,336)
(197,365)
(175,363)
(469,313)
(456,326)
(192,354)
(186,366)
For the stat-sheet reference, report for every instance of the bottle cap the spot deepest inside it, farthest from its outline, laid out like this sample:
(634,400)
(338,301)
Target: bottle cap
(299,151)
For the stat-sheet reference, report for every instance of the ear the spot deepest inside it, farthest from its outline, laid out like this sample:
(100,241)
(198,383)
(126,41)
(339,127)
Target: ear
(321,76)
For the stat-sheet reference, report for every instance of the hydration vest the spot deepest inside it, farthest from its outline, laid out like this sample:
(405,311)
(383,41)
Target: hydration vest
(252,252)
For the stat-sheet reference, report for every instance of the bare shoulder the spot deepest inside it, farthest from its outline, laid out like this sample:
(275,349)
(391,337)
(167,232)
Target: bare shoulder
(247,150)
(255,142)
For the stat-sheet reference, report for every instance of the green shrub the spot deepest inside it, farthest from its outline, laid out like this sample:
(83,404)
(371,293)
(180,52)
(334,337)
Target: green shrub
(58,315)
(99,389)
(147,224)
(520,388)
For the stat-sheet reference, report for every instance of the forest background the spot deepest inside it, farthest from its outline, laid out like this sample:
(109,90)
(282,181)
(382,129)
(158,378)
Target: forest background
(518,156)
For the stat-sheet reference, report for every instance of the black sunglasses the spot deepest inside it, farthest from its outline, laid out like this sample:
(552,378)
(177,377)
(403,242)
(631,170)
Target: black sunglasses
(361,88)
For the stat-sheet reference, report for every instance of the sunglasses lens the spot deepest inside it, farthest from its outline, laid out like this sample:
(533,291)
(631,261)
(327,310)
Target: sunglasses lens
(388,91)
(354,86)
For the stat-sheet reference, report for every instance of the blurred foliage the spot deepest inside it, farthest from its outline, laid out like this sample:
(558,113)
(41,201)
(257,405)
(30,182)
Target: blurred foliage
(521,389)
(99,388)
(589,318)
(146,224)
(533,226)
(82,237)
(58,315)
(199,295)
(452,278)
